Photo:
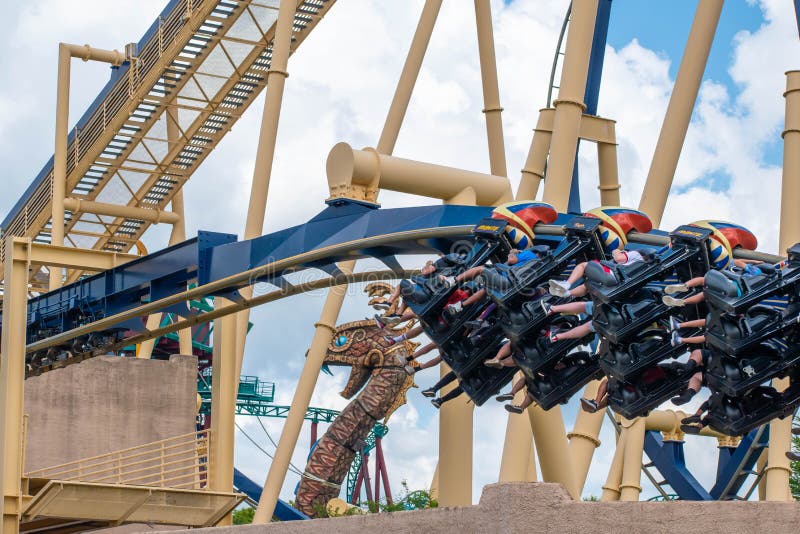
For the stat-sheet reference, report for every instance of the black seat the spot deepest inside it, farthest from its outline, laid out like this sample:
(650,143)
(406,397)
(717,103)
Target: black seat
(557,383)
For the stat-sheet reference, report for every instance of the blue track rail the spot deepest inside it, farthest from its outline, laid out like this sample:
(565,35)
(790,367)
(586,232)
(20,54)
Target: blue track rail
(283,510)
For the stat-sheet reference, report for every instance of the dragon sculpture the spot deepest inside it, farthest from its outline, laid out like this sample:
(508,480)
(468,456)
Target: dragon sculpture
(380,376)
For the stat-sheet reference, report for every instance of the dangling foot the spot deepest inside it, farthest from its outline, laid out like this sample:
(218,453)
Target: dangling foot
(552,335)
(559,288)
(691,429)
(675,339)
(674,323)
(589,405)
(793,456)
(796,431)
(691,420)
(390,340)
(437,403)
(494,362)
(548,308)
(379,322)
(672,301)
(430,392)
(504,397)
(675,288)
(513,409)
(448,281)
(684,397)
(392,319)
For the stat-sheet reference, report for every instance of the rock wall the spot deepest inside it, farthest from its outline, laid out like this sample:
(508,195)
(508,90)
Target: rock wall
(107,403)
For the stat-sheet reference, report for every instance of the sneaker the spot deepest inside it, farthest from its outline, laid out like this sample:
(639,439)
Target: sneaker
(552,335)
(548,308)
(559,288)
(392,319)
(474,324)
(675,288)
(589,405)
(494,362)
(692,419)
(672,301)
(684,397)
(379,322)
(513,409)
(448,281)
(504,397)
(691,429)
(390,340)
(793,456)
(675,339)
(674,323)
(437,403)
(430,392)
(796,431)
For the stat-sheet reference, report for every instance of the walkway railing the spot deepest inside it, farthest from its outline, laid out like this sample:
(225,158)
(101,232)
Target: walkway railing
(179,462)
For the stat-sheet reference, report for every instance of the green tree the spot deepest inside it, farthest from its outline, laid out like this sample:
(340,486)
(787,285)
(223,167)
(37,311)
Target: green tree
(243,516)
(794,479)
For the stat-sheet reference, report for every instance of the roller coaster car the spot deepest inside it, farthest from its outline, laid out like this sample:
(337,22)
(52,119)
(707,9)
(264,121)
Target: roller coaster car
(426,296)
(609,281)
(734,292)
(536,352)
(507,284)
(736,333)
(464,353)
(636,396)
(527,318)
(738,415)
(619,320)
(559,381)
(736,375)
(626,361)
(482,383)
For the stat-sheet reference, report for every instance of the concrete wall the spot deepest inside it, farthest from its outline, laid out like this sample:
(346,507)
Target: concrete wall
(538,507)
(105,404)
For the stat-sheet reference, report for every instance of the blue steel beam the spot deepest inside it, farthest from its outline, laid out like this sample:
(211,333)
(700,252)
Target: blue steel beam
(592,93)
(668,458)
(797,14)
(734,472)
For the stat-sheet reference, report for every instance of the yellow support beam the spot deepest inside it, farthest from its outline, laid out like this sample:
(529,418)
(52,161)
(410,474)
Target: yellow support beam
(73,258)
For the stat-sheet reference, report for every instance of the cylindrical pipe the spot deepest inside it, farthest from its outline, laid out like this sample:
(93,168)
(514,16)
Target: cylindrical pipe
(778,469)
(535,164)
(669,421)
(88,53)
(455,448)
(384,472)
(408,77)
(611,487)
(347,167)
(491,91)
(569,106)
(631,488)
(518,444)
(609,174)
(323,331)
(761,463)
(552,447)
(116,210)
(60,158)
(583,438)
(679,110)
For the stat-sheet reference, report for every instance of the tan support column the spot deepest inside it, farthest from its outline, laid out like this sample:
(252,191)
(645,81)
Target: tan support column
(583,438)
(435,483)
(551,444)
(778,469)
(611,487)
(323,331)
(455,448)
(609,174)
(517,447)
(65,53)
(569,106)
(12,380)
(679,110)
(535,164)
(408,77)
(761,463)
(265,153)
(224,380)
(530,476)
(491,91)
(633,432)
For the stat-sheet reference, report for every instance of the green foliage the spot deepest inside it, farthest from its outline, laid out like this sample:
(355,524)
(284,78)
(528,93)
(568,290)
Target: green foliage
(592,498)
(243,516)
(406,500)
(794,479)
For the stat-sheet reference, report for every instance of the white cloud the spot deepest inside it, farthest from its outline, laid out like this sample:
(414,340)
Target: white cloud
(342,80)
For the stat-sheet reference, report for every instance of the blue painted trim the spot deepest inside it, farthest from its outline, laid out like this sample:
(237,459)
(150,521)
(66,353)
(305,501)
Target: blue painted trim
(797,14)
(668,458)
(744,458)
(592,93)
(283,510)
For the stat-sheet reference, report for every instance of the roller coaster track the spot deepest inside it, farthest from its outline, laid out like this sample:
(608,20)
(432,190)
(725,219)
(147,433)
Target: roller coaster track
(200,64)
